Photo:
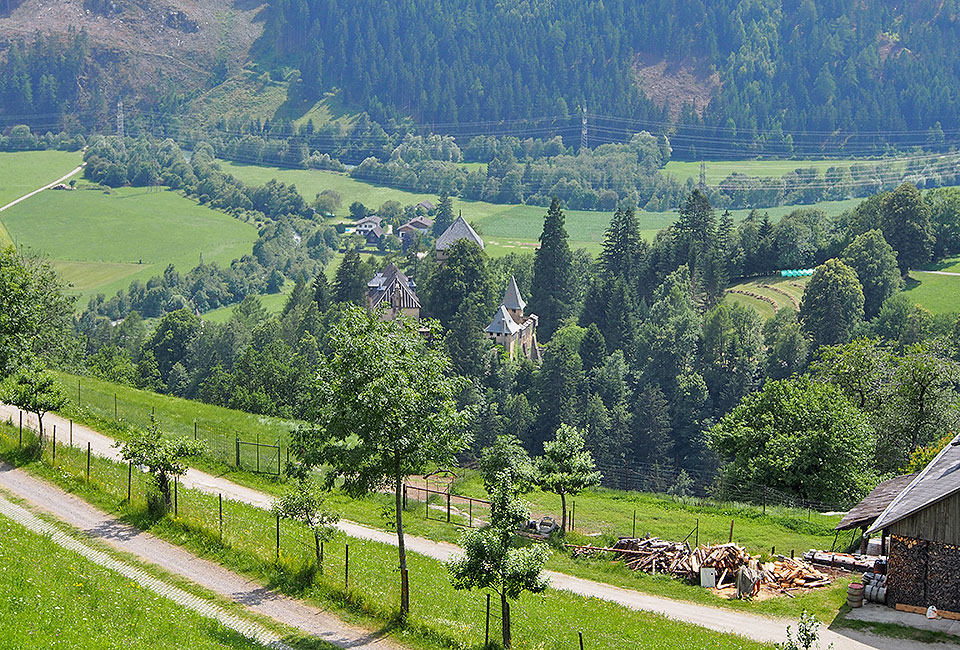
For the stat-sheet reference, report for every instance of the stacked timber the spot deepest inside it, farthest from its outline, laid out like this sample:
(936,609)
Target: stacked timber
(655,555)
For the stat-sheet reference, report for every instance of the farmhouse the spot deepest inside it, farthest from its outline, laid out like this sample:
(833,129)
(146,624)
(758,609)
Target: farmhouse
(458,230)
(394,292)
(367,224)
(511,329)
(923,523)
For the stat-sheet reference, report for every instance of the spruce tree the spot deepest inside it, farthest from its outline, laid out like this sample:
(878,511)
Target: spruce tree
(551,294)
(322,295)
(349,284)
(444,215)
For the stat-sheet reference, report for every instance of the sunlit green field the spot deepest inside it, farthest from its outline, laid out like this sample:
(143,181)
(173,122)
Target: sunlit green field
(54,598)
(102,241)
(23,172)
(938,293)
(718,170)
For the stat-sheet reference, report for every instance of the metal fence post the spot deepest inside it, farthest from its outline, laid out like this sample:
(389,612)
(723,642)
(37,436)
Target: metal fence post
(278,460)
(116,408)
(404,496)
(278,537)
(129,480)
(581,640)
(346,566)
(175,509)
(448,507)
(258,452)
(220,499)
(78,393)
(54,461)
(71,433)
(21,430)
(88,462)
(634,523)
(238,452)
(471,512)
(195,430)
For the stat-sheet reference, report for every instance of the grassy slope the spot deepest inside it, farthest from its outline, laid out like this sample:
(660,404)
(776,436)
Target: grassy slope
(272,302)
(441,617)
(938,293)
(602,515)
(101,242)
(949,264)
(54,598)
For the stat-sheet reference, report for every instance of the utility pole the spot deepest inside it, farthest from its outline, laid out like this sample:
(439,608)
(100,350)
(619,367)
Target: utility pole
(583,128)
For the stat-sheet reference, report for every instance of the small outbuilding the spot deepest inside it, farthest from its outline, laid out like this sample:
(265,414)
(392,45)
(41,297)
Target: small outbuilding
(923,524)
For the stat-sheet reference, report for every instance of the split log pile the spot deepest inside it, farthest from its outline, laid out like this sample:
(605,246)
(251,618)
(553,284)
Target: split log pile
(655,555)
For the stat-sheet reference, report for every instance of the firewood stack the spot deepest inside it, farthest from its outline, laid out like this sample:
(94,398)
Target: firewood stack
(655,555)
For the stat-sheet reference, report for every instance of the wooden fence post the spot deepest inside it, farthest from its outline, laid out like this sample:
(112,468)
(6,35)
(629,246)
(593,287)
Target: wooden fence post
(54,461)
(448,507)
(731,532)
(220,499)
(278,538)
(21,430)
(346,566)
(175,509)
(486,635)
(88,462)
(634,523)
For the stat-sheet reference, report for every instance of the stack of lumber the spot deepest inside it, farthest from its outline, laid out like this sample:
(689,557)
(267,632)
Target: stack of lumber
(654,555)
(854,563)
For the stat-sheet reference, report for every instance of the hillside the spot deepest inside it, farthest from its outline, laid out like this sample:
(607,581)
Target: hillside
(778,77)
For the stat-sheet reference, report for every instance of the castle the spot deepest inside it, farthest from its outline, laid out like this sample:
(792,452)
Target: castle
(511,329)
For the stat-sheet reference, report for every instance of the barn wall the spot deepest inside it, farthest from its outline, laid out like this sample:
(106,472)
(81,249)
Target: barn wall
(937,523)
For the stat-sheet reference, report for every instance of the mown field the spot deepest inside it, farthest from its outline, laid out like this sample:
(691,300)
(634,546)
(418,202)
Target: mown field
(23,172)
(775,293)
(938,293)
(441,617)
(718,170)
(101,241)
(53,598)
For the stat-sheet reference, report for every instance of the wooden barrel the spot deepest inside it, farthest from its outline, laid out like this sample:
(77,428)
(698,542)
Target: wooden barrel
(855,589)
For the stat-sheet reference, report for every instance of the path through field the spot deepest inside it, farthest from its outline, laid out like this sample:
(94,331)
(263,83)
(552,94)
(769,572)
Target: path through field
(938,272)
(45,187)
(759,628)
(99,525)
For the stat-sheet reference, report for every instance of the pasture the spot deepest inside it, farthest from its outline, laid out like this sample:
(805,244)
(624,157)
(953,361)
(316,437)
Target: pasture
(24,171)
(54,598)
(718,170)
(938,293)
(101,240)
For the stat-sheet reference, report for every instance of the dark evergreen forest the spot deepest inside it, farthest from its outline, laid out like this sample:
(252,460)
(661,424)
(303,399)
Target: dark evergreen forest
(795,75)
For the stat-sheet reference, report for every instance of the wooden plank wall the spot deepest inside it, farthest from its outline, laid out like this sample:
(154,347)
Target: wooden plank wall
(937,523)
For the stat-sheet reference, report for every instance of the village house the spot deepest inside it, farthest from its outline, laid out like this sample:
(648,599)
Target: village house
(516,333)
(416,226)
(393,291)
(367,224)
(923,526)
(458,230)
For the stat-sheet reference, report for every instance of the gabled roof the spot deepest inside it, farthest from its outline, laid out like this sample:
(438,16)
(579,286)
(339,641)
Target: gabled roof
(393,286)
(377,232)
(939,480)
(503,323)
(512,298)
(374,219)
(867,511)
(458,230)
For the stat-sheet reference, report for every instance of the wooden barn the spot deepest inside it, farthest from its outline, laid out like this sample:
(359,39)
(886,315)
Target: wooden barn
(923,525)
(865,513)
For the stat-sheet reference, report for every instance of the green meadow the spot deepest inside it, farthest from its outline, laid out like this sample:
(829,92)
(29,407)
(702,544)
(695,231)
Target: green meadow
(101,240)
(718,170)
(54,598)
(938,293)
(23,172)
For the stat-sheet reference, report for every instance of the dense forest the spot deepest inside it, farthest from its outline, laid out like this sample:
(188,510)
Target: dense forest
(669,382)
(794,75)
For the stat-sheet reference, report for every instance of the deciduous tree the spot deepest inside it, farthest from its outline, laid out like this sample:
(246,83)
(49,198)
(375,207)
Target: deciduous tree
(832,304)
(566,467)
(163,457)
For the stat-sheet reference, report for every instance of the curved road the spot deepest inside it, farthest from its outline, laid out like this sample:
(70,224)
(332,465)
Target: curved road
(759,628)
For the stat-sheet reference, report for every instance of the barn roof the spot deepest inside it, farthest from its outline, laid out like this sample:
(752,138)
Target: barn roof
(939,480)
(394,287)
(458,230)
(867,511)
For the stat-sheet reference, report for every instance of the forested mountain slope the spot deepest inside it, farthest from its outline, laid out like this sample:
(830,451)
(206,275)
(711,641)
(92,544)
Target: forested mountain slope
(781,76)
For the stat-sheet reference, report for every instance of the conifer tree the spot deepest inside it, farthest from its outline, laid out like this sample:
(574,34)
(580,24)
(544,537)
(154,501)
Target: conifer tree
(349,284)
(551,290)
(444,215)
